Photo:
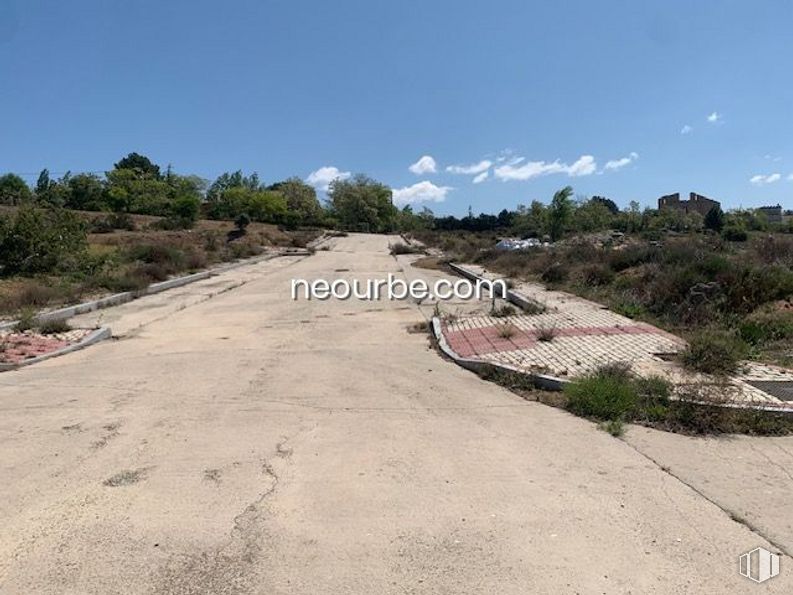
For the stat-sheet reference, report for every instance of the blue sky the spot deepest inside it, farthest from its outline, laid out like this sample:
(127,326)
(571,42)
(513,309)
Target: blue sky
(547,93)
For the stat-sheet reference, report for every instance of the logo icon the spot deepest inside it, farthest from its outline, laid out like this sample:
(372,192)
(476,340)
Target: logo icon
(758,565)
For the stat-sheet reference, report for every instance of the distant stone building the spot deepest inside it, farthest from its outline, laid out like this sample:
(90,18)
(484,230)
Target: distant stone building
(772,214)
(696,203)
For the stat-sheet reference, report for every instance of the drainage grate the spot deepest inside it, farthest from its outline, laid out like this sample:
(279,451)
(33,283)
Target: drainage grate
(781,389)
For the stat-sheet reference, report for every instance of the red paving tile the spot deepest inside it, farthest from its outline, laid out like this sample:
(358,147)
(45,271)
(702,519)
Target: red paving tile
(21,347)
(481,341)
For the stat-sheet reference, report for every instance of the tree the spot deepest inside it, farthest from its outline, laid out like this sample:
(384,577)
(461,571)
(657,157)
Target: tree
(230,193)
(593,215)
(560,212)
(139,163)
(301,199)
(43,183)
(130,192)
(714,220)
(265,206)
(184,211)
(13,190)
(87,193)
(39,240)
(53,193)
(362,204)
(531,221)
(606,202)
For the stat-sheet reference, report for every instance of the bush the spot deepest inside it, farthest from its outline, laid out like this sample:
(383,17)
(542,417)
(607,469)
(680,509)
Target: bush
(767,326)
(242,221)
(400,248)
(503,311)
(39,240)
(555,273)
(185,209)
(734,233)
(607,394)
(128,280)
(631,256)
(55,326)
(597,274)
(162,254)
(714,352)
(26,321)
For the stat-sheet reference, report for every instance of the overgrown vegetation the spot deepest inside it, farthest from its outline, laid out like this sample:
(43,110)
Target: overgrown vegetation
(714,352)
(49,258)
(613,396)
(688,283)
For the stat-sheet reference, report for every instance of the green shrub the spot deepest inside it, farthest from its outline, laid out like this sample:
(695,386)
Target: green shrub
(39,240)
(766,326)
(615,427)
(607,394)
(734,233)
(26,320)
(122,281)
(241,222)
(629,308)
(54,326)
(631,256)
(714,352)
(161,254)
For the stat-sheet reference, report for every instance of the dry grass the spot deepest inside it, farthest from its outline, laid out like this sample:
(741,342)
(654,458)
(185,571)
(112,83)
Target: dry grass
(507,331)
(547,333)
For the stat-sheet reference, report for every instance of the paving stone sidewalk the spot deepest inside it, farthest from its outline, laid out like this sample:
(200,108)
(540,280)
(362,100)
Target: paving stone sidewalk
(16,347)
(585,336)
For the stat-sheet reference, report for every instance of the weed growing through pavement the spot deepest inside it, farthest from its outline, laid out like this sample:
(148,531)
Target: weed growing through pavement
(507,331)
(546,333)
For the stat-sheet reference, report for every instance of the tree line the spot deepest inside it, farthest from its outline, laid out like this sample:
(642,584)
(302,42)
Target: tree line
(136,185)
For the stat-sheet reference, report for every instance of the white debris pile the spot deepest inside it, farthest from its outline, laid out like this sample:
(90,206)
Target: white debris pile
(516,244)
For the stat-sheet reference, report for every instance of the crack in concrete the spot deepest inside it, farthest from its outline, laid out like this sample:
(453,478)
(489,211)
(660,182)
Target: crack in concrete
(732,515)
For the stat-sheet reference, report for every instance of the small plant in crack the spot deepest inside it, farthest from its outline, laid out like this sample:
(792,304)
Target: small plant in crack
(503,311)
(546,333)
(507,331)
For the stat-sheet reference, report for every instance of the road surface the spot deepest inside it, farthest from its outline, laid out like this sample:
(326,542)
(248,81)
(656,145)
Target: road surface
(232,440)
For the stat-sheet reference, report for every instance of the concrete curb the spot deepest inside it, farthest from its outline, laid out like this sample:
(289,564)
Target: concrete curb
(520,300)
(118,299)
(543,381)
(96,336)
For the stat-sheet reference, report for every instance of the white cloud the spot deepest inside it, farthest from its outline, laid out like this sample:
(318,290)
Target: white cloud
(686,129)
(322,177)
(761,180)
(481,177)
(616,164)
(474,168)
(532,169)
(790,177)
(583,167)
(425,165)
(420,192)
(714,117)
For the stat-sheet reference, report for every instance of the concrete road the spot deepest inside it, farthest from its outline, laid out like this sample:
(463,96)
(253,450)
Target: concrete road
(234,441)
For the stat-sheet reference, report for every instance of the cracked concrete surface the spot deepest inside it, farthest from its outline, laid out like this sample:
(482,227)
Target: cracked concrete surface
(318,447)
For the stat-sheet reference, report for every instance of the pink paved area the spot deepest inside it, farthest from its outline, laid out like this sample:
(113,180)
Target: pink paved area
(580,342)
(586,336)
(16,347)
